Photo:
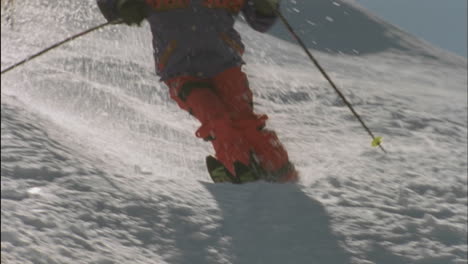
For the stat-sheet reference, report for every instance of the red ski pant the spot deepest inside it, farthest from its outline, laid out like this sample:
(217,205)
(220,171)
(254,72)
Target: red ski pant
(224,107)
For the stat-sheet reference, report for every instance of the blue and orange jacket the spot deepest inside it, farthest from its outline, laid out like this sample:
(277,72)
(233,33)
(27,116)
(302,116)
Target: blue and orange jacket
(195,37)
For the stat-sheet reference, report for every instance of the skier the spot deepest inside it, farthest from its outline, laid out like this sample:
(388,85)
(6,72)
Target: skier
(198,55)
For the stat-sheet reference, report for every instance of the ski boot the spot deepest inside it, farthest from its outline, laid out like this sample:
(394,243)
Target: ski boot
(243,173)
(218,172)
(255,172)
(246,173)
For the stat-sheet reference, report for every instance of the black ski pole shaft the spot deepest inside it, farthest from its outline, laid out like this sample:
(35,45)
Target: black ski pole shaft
(56,45)
(324,73)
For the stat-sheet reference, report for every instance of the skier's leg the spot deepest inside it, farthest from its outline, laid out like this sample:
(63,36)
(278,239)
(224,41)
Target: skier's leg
(199,97)
(233,88)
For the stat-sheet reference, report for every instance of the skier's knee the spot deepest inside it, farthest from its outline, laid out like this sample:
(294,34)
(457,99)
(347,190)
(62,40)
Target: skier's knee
(188,87)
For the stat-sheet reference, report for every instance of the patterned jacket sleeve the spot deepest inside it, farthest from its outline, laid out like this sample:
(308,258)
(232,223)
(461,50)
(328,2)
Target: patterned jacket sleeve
(256,20)
(108,9)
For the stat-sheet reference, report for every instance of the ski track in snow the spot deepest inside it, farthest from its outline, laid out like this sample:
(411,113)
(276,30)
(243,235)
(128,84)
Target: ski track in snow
(99,166)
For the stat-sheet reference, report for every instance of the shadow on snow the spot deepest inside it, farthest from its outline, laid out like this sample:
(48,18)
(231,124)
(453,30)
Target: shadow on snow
(276,223)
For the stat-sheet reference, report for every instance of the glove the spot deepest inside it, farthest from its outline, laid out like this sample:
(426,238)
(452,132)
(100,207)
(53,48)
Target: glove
(266,7)
(132,11)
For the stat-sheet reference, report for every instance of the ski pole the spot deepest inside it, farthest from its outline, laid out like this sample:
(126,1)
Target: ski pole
(58,44)
(376,141)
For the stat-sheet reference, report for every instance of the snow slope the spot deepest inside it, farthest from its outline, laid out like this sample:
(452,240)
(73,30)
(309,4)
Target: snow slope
(99,166)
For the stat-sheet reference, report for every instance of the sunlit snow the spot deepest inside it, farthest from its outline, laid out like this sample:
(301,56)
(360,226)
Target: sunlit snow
(99,166)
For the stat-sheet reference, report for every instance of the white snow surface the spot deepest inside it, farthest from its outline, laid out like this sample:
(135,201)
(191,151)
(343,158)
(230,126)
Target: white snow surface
(99,166)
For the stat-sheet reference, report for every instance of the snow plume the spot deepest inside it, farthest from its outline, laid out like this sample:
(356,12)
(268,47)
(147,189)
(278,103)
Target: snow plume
(98,165)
